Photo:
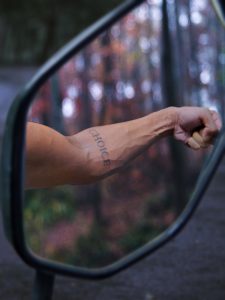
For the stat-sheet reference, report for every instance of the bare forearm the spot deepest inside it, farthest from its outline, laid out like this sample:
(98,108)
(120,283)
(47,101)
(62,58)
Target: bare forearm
(92,154)
(108,148)
(53,159)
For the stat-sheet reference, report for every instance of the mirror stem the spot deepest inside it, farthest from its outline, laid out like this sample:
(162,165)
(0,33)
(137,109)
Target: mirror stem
(43,286)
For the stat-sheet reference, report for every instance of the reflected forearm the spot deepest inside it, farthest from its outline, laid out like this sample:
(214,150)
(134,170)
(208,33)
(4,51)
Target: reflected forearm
(109,148)
(92,154)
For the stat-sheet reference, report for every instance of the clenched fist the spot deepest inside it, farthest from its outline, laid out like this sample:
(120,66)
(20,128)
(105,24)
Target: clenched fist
(196,126)
(95,153)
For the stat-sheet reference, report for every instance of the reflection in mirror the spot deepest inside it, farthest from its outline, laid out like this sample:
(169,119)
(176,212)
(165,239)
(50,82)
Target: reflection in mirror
(157,56)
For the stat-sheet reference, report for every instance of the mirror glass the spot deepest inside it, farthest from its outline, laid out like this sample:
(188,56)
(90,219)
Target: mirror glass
(158,55)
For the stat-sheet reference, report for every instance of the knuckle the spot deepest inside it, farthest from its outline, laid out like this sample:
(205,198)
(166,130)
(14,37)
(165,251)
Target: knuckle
(206,110)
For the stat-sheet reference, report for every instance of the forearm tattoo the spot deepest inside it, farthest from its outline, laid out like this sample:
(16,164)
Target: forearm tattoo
(101,146)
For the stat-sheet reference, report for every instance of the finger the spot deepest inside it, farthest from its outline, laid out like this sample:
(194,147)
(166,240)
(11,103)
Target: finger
(199,140)
(216,118)
(193,144)
(209,135)
(209,143)
(210,128)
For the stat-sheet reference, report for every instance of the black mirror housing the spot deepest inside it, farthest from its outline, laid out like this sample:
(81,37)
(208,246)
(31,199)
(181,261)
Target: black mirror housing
(13,166)
(219,7)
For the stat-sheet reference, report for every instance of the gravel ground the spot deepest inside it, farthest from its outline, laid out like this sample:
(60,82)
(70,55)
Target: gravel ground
(189,267)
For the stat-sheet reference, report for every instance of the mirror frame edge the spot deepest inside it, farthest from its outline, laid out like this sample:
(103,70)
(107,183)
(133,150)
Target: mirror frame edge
(13,155)
(219,10)
(20,105)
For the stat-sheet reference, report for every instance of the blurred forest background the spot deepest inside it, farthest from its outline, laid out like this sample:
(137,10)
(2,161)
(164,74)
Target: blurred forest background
(164,53)
(30,31)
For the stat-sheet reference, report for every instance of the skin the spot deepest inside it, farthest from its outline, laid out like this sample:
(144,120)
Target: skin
(95,153)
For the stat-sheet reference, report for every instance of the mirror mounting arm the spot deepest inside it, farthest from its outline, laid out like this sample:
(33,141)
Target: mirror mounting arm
(43,286)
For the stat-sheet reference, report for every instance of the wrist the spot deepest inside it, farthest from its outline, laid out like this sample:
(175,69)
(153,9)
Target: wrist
(169,117)
(172,112)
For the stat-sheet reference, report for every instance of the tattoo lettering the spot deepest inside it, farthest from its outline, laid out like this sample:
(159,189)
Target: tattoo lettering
(101,146)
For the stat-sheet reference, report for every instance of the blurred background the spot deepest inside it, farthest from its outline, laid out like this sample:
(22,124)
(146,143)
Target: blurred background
(163,53)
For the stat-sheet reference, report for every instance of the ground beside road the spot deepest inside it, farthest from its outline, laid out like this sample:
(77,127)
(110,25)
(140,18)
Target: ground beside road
(191,267)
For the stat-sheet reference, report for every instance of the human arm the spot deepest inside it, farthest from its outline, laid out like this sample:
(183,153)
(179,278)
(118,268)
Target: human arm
(95,153)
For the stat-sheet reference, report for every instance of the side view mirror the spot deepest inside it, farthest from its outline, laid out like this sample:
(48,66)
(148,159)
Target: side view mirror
(124,66)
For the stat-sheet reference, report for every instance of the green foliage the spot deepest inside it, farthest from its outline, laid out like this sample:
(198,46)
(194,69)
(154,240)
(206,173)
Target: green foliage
(46,207)
(43,209)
